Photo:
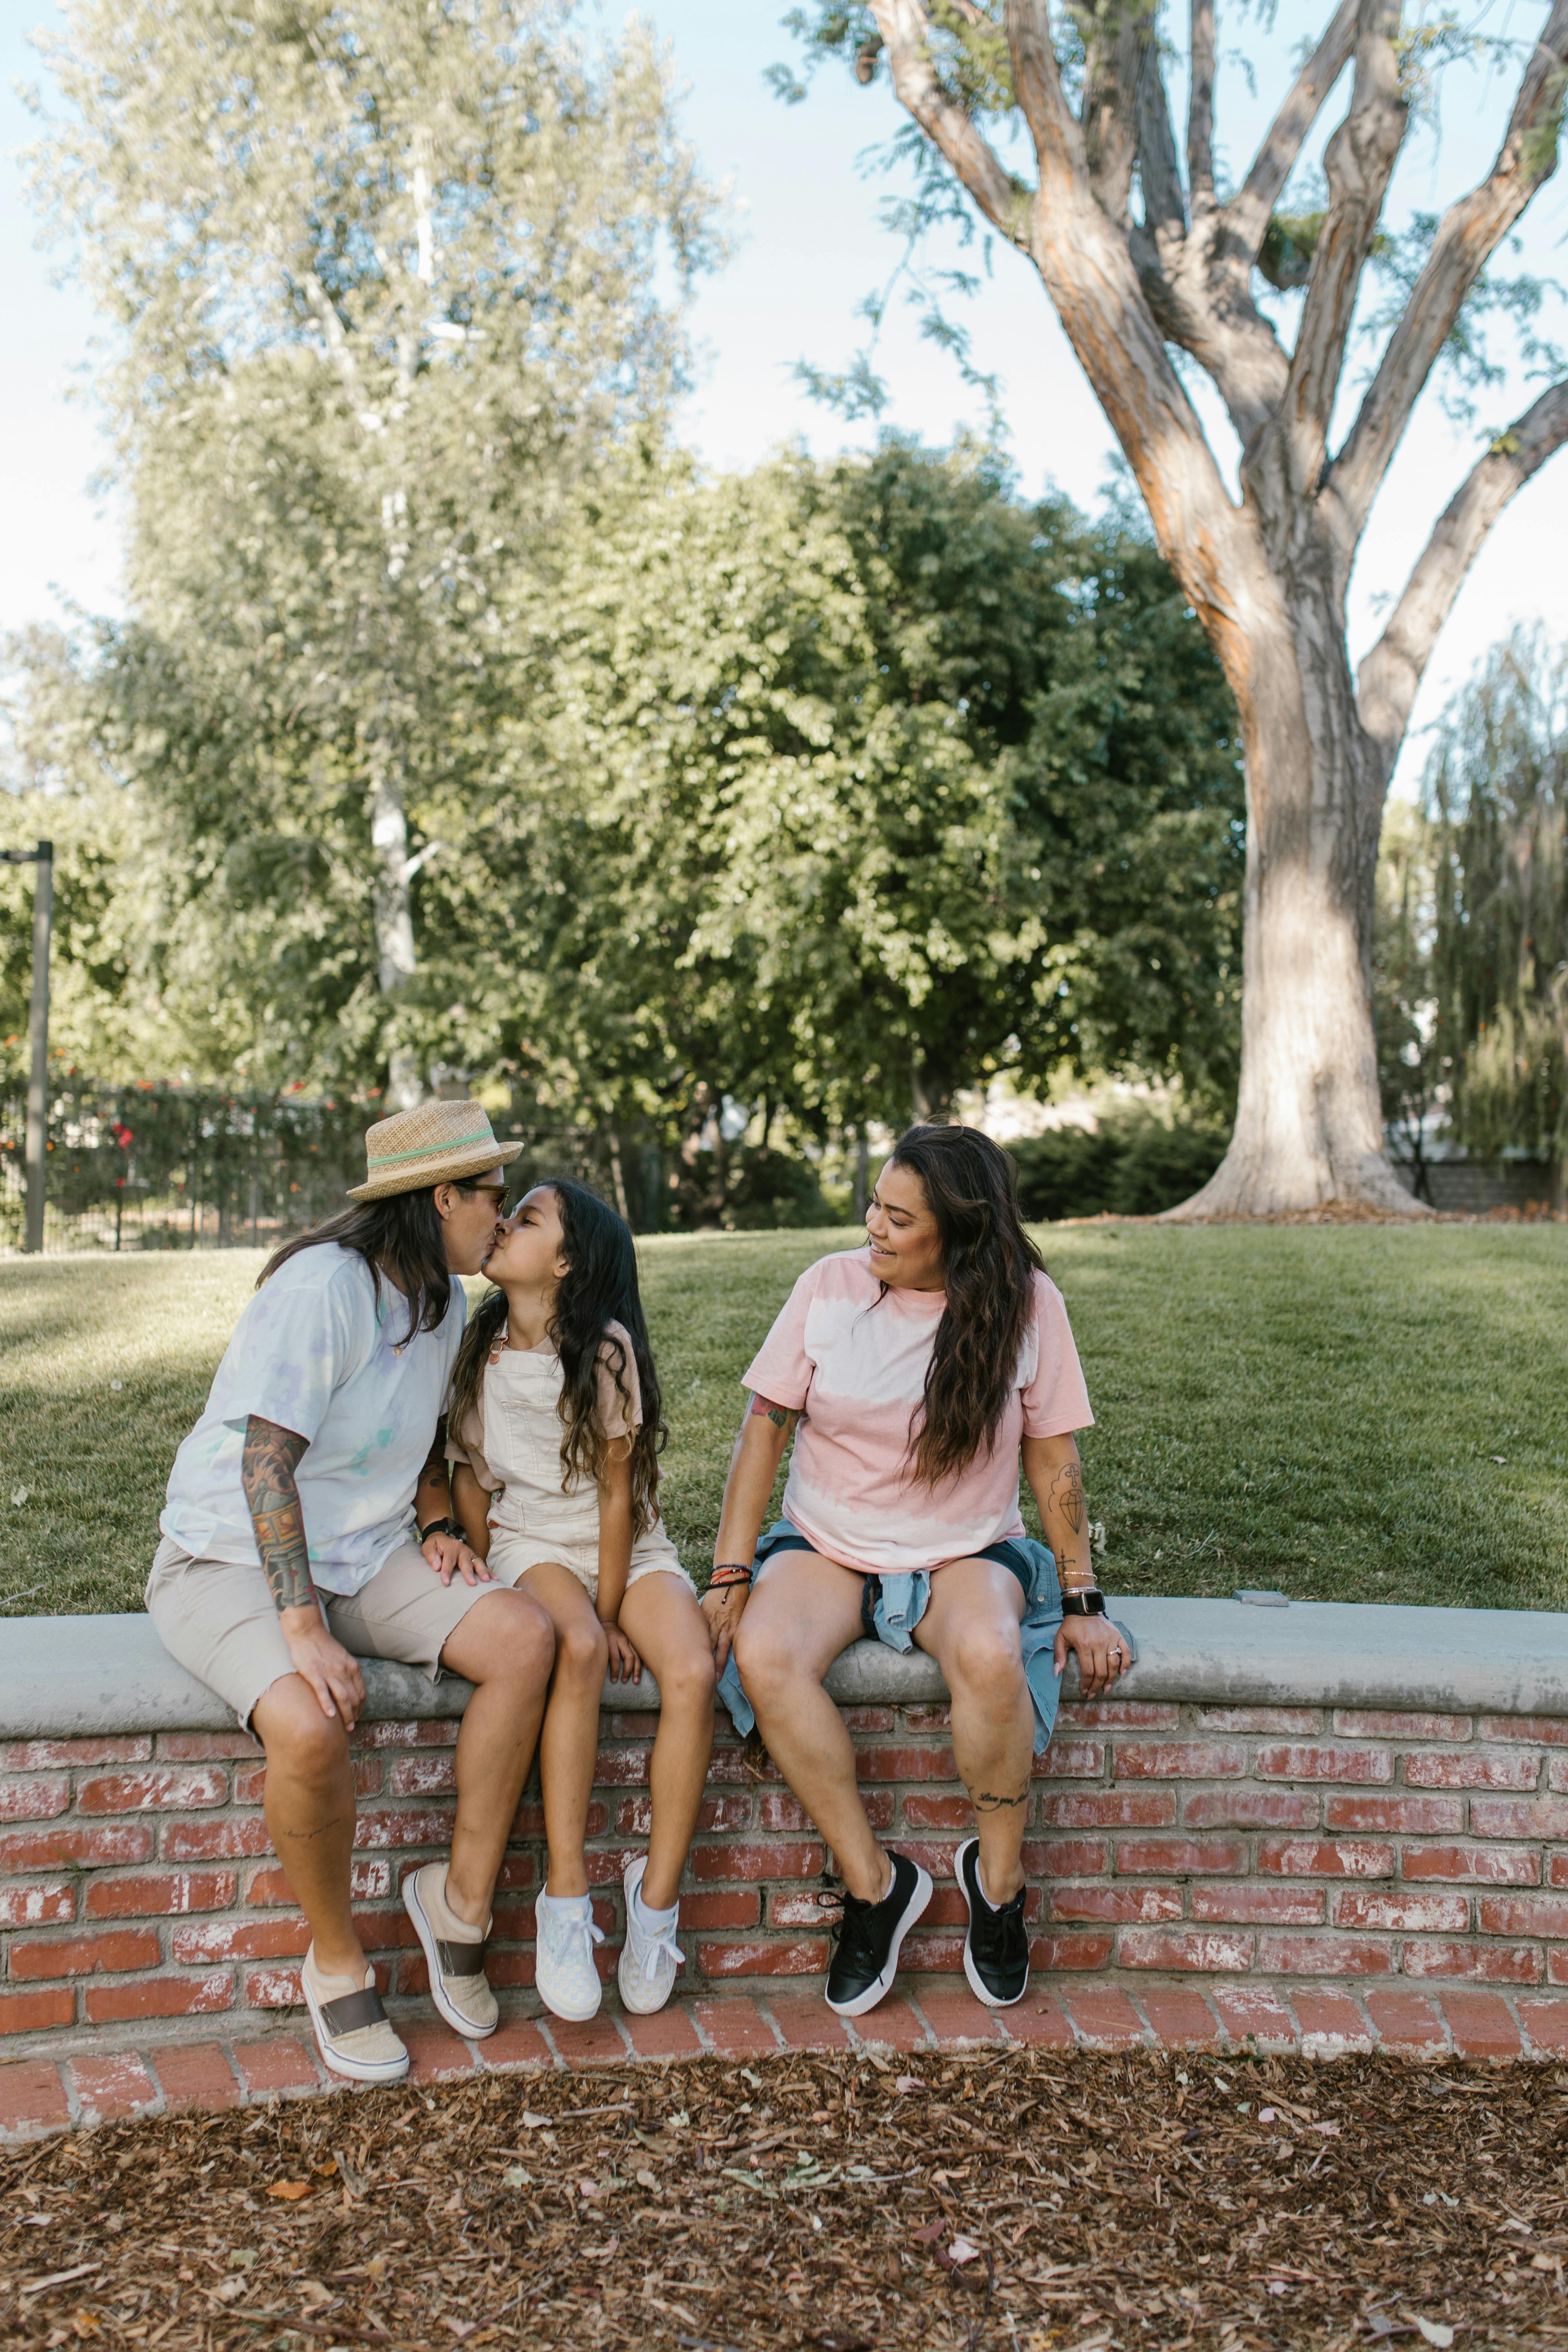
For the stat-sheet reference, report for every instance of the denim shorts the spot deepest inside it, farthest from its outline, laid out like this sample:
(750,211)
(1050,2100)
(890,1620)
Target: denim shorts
(1006,1555)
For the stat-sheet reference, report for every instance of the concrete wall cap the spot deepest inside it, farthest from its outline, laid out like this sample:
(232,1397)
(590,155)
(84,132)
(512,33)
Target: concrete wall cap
(75,1677)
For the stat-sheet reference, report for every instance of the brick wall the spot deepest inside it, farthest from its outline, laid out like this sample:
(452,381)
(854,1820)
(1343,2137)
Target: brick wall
(137,1884)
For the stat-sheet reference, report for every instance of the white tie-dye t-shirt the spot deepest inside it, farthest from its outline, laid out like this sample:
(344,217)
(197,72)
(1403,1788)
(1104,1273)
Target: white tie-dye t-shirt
(852,1360)
(317,1353)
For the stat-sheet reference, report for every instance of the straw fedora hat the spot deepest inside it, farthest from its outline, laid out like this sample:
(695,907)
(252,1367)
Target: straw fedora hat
(437,1143)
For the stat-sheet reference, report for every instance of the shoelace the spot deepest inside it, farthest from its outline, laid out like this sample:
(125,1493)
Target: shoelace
(857,1937)
(565,1928)
(662,1940)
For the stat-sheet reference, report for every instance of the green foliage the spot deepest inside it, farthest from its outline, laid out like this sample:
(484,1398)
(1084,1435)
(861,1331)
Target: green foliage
(1133,1164)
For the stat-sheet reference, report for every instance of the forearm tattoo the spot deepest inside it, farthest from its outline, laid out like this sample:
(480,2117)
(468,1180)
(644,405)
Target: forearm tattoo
(761,1408)
(1067,1495)
(267,1462)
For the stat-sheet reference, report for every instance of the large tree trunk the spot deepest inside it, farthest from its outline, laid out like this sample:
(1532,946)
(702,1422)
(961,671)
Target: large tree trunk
(1309,1122)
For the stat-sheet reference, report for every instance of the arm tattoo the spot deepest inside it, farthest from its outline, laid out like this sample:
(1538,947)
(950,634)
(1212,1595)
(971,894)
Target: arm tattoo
(1066,1495)
(267,1462)
(780,1416)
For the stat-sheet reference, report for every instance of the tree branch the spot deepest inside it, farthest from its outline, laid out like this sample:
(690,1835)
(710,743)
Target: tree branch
(1359,161)
(1200,107)
(1115,50)
(1249,212)
(1003,200)
(1471,232)
(1164,206)
(1389,677)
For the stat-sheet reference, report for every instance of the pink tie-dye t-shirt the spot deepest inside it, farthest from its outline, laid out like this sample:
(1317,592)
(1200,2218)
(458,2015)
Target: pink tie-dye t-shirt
(852,1360)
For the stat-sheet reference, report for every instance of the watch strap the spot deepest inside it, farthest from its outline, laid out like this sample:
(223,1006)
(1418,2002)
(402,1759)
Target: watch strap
(1089,1603)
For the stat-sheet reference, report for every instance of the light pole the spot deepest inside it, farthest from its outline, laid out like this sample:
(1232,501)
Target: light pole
(43,858)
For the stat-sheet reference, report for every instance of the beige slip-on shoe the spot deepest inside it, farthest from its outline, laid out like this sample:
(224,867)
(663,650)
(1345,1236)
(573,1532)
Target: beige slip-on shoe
(454,1954)
(353,2034)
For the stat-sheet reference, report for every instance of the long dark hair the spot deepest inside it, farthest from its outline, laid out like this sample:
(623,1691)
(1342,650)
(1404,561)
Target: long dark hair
(401,1234)
(989,1266)
(598,1288)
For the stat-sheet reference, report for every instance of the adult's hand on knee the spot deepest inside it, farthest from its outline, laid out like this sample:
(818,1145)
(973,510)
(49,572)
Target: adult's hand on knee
(331,1671)
(449,1556)
(1097,1647)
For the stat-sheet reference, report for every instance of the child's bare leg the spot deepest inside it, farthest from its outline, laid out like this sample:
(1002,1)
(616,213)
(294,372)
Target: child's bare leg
(661,1621)
(569,1738)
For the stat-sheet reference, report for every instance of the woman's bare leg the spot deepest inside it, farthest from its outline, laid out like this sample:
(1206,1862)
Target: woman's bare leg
(310,1808)
(970,1629)
(803,1611)
(569,1740)
(504,1646)
(661,1619)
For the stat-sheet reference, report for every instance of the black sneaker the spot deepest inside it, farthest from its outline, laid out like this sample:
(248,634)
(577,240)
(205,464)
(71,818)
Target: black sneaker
(996,1949)
(866,1957)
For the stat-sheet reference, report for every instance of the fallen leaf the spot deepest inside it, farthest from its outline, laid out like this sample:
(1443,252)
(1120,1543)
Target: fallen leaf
(86,2324)
(929,2235)
(588,2188)
(532,2122)
(647,2180)
(1436,2331)
(1278,2286)
(908,2082)
(1266,2114)
(292,2189)
(18,1497)
(1330,2131)
(514,2176)
(463,2328)
(962,2250)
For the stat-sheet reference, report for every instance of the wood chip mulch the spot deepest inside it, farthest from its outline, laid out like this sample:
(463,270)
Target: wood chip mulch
(1011,2201)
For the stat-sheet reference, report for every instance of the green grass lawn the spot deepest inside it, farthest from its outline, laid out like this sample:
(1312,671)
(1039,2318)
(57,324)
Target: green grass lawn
(1319,1407)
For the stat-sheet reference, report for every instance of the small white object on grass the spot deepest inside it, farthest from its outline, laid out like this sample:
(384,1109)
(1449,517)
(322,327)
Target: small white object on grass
(18,1497)
(117,1384)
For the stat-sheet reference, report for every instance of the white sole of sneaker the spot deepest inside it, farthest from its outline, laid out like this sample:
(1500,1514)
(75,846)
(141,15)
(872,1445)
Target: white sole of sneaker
(879,1987)
(354,2069)
(977,1984)
(568,2016)
(445,2009)
(631,1879)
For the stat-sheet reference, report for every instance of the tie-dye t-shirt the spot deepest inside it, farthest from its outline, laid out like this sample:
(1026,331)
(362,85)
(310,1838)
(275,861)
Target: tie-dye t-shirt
(852,1360)
(317,1352)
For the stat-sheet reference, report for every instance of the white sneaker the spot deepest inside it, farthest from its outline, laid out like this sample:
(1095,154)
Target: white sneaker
(564,1936)
(650,1956)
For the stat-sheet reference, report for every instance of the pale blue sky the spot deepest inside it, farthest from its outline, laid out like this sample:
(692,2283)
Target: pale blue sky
(808,248)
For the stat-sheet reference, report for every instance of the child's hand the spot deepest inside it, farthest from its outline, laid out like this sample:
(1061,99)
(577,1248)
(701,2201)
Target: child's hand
(625,1666)
(449,1556)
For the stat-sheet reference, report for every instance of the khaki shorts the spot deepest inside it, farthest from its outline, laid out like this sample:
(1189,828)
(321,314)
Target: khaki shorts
(217,1618)
(513,1555)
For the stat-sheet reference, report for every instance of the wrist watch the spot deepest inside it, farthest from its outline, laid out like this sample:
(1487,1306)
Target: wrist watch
(448,1527)
(1088,1602)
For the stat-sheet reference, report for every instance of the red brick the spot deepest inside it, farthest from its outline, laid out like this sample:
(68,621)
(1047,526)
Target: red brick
(1274,1906)
(430,1732)
(276,1989)
(284,2062)
(1109,1809)
(924,1812)
(953,2014)
(1477,1767)
(1329,2022)
(81,1956)
(427,1772)
(782,1859)
(1063,1857)
(1039,2020)
(140,1792)
(225,1840)
(805,2023)
(1487,1866)
(431,1827)
(108,2088)
(1324,1858)
(1545,2021)
(1129,1906)
(805,1956)
(161,1893)
(1411,1816)
(1536,1730)
(1183,1947)
(32,2098)
(1557,1773)
(592,2041)
(1180,2016)
(1483,1963)
(36,1906)
(934,1954)
(64,1847)
(869,1719)
(48,1755)
(196,2074)
(931,1763)
(1519,1817)
(737,2029)
(1480,2024)
(668,2033)
(1322,1955)
(1102,2017)
(207,1747)
(930,1718)
(1084,1950)
(107,2004)
(34,1799)
(627,1767)
(1251,2013)
(1406,2021)
(37,2012)
(517,2042)
(1522,1915)
(777,1810)
(633,1816)
(1187,1857)
(1071,1760)
(1250,1809)
(1428,1915)
(1375,1723)
(437,2055)
(1178,1760)
(1306,1761)
(1117,1715)
(369,1882)
(892,2025)
(742,1908)
(1281,1722)
(240,1940)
